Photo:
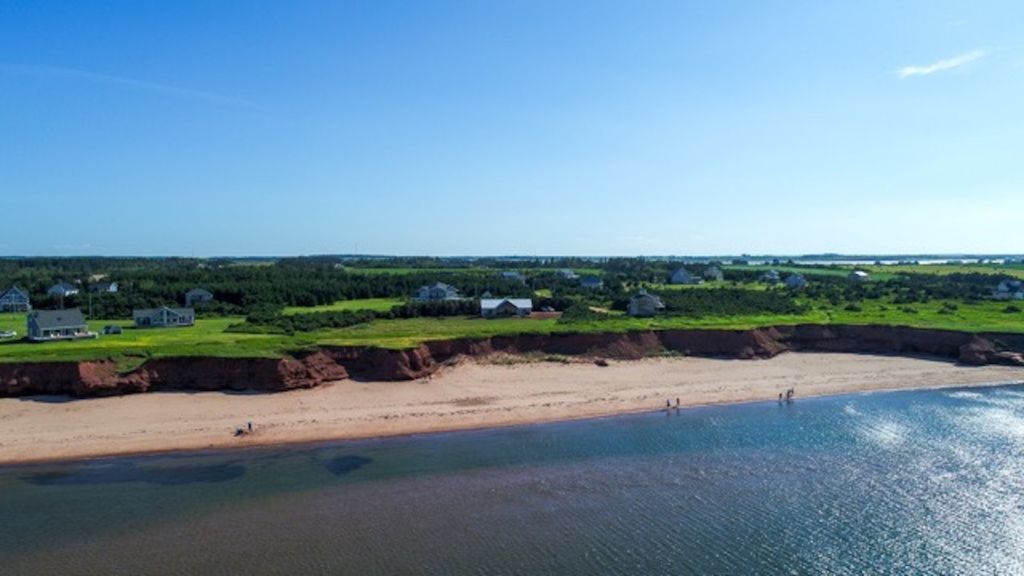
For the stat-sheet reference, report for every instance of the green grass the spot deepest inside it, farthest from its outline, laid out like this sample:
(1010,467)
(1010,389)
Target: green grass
(375,304)
(208,337)
(877,272)
(945,269)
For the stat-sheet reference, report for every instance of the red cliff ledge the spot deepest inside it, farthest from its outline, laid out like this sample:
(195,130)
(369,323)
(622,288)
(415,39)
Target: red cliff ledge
(306,370)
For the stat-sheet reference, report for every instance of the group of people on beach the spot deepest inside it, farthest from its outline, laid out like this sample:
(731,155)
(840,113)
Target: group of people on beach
(243,430)
(789,396)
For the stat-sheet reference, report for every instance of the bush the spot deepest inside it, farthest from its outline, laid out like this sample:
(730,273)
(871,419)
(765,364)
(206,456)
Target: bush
(1012,309)
(852,307)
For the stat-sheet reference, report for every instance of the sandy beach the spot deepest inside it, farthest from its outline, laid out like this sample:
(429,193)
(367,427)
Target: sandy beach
(471,395)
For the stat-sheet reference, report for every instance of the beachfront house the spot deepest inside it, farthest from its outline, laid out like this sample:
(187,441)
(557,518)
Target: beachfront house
(48,325)
(164,317)
(197,297)
(1009,290)
(683,276)
(796,281)
(567,274)
(62,289)
(436,292)
(859,276)
(644,304)
(505,307)
(714,274)
(591,283)
(513,276)
(104,288)
(771,277)
(14,299)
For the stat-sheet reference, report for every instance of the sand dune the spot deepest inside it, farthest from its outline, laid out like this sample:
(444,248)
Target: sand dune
(472,395)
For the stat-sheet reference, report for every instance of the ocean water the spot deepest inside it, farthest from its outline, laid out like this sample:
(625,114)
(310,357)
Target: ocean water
(922,482)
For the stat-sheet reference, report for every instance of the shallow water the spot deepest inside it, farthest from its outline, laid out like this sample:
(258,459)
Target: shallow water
(923,482)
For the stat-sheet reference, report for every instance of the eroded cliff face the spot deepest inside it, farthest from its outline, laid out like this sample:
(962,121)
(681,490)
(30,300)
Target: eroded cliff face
(101,378)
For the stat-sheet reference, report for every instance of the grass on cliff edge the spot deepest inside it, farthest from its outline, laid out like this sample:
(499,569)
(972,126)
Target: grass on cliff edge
(208,336)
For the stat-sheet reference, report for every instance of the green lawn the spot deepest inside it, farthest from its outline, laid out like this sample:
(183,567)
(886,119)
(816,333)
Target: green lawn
(375,304)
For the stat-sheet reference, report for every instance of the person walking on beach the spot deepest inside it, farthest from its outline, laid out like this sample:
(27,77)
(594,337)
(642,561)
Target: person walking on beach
(250,426)
(677,402)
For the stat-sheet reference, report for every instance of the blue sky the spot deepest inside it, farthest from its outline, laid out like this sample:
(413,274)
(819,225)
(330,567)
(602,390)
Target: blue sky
(522,127)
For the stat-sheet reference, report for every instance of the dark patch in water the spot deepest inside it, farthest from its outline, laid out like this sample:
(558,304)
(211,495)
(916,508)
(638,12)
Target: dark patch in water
(346,464)
(164,476)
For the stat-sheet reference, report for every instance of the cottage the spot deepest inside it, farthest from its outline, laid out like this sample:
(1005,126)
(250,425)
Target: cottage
(14,299)
(591,283)
(46,325)
(1009,290)
(567,274)
(771,277)
(683,276)
(643,304)
(436,292)
(164,317)
(513,276)
(104,288)
(197,297)
(796,281)
(713,274)
(499,307)
(859,276)
(62,289)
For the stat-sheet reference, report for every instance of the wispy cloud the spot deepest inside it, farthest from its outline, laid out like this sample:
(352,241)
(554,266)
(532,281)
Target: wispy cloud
(941,65)
(128,83)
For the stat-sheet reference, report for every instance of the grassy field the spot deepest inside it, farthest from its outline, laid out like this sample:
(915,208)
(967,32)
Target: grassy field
(375,304)
(208,337)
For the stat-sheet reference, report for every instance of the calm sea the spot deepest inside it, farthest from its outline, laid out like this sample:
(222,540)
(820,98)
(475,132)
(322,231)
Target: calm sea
(924,482)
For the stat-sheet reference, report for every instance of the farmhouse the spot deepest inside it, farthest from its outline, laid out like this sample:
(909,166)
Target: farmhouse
(163,317)
(714,274)
(436,292)
(796,281)
(104,288)
(591,282)
(1009,290)
(197,297)
(47,325)
(62,289)
(499,307)
(14,299)
(771,277)
(683,276)
(859,276)
(513,276)
(567,274)
(643,304)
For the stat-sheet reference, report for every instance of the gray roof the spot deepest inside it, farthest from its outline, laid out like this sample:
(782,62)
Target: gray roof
(202,291)
(151,311)
(63,286)
(50,319)
(492,303)
(14,290)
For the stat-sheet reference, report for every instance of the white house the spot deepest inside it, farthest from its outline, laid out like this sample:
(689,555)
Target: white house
(498,307)
(198,297)
(14,299)
(513,276)
(62,289)
(683,276)
(643,304)
(1009,290)
(104,287)
(591,282)
(47,325)
(163,317)
(438,291)
(796,281)
(859,276)
(713,274)
(567,274)
(771,277)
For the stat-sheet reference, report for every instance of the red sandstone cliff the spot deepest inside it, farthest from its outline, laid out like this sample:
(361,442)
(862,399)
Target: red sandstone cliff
(335,363)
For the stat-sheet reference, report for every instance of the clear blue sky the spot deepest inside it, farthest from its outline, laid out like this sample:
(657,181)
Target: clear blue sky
(522,127)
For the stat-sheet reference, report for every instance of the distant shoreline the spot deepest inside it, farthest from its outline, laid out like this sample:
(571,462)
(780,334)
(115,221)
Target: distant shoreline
(472,395)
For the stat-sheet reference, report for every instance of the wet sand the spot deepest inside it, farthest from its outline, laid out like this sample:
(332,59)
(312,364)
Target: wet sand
(474,394)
